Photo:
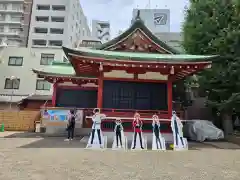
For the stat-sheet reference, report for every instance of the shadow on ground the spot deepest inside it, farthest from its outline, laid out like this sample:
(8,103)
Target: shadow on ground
(34,135)
(57,141)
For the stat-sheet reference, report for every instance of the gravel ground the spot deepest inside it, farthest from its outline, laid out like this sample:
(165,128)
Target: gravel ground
(53,159)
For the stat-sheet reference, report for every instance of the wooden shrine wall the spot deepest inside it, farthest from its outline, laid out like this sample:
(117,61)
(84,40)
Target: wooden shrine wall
(73,97)
(134,95)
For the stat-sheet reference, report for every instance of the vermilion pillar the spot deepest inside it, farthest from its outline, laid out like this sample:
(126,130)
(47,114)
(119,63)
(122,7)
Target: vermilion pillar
(100,91)
(54,96)
(169,98)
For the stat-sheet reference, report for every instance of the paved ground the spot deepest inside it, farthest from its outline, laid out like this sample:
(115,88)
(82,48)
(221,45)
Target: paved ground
(52,159)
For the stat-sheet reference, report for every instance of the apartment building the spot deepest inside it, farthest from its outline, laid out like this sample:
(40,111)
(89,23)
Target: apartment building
(17,79)
(14,21)
(56,23)
(101,30)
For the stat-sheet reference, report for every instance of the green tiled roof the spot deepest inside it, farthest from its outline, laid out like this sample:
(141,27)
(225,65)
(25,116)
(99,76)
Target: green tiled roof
(135,56)
(66,69)
(59,69)
(60,63)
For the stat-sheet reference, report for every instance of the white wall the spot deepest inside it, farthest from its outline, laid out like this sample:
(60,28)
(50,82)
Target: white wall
(162,24)
(31,59)
(173,39)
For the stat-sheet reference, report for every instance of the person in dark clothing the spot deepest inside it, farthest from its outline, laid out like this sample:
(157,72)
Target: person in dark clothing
(156,130)
(118,131)
(71,125)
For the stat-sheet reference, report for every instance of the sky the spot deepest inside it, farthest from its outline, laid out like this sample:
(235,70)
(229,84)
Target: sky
(119,12)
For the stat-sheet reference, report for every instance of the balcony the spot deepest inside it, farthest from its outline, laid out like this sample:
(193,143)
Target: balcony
(10,33)
(7,10)
(10,21)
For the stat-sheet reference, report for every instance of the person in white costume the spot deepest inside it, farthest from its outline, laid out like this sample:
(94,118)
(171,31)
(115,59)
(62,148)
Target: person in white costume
(119,136)
(97,119)
(156,131)
(177,126)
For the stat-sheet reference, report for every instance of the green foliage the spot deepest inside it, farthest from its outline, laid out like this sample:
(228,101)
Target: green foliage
(213,27)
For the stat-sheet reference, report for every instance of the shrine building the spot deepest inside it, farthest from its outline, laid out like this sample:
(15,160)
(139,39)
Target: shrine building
(133,72)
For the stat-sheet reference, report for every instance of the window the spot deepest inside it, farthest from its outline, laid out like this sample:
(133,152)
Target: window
(41,30)
(43,7)
(12,83)
(17,7)
(56,31)
(16,18)
(43,85)
(1,28)
(3,7)
(15,61)
(2,17)
(58,7)
(57,19)
(39,42)
(14,29)
(42,18)
(46,59)
(55,43)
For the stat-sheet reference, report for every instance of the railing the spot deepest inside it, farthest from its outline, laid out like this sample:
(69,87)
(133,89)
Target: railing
(108,124)
(123,112)
(130,112)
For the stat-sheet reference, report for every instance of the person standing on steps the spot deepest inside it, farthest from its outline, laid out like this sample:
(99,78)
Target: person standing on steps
(71,124)
(97,119)
(118,132)
(137,126)
(156,130)
(177,126)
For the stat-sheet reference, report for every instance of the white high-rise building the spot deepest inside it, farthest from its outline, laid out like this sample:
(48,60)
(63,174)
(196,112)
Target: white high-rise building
(157,20)
(56,23)
(101,30)
(12,22)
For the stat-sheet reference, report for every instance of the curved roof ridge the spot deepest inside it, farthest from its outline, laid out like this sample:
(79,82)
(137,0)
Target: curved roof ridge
(138,24)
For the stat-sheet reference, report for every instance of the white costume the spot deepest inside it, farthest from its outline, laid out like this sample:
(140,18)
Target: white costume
(180,142)
(96,138)
(158,142)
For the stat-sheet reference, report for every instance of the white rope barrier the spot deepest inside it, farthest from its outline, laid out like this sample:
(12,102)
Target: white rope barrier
(127,118)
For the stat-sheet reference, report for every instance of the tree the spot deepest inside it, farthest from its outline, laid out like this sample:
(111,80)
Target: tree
(212,27)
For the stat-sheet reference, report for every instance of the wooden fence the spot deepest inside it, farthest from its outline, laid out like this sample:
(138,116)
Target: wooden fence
(19,120)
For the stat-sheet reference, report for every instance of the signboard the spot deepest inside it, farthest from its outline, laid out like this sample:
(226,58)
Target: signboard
(59,115)
(160,18)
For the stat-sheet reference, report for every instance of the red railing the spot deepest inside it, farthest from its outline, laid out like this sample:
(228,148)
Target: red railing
(130,113)
(107,124)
